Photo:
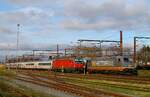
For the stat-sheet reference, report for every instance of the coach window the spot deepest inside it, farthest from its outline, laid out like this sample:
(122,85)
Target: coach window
(126,59)
(30,64)
(44,64)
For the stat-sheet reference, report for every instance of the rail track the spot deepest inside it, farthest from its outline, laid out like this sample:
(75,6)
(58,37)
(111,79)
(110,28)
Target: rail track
(110,78)
(117,78)
(146,89)
(118,82)
(67,87)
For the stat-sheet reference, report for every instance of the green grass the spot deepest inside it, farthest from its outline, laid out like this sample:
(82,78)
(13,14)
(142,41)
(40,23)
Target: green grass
(8,73)
(130,88)
(144,73)
(8,91)
(107,86)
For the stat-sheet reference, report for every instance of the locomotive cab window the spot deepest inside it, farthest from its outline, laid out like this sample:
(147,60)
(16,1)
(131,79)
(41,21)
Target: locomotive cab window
(50,57)
(80,61)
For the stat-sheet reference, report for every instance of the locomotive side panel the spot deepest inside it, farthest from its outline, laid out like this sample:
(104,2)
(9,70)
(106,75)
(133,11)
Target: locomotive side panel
(67,65)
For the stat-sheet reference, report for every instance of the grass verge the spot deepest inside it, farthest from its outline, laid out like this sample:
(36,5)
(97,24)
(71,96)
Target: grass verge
(110,86)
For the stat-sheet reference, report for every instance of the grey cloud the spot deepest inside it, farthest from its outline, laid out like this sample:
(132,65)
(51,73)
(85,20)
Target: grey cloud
(110,15)
(5,31)
(32,2)
(34,46)
(99,25)
(8,35)
(28,15)
(30,18)
(80,9)
(89,15)
(87,10)
(79,15)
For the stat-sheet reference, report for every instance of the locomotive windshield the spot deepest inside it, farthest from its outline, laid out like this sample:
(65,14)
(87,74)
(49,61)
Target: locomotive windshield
(79,60)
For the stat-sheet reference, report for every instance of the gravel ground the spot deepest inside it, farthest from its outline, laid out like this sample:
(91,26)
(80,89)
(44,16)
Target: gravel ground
(43,89)
(38,88)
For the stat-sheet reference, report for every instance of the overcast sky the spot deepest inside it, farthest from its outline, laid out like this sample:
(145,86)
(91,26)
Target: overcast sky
(44,23)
